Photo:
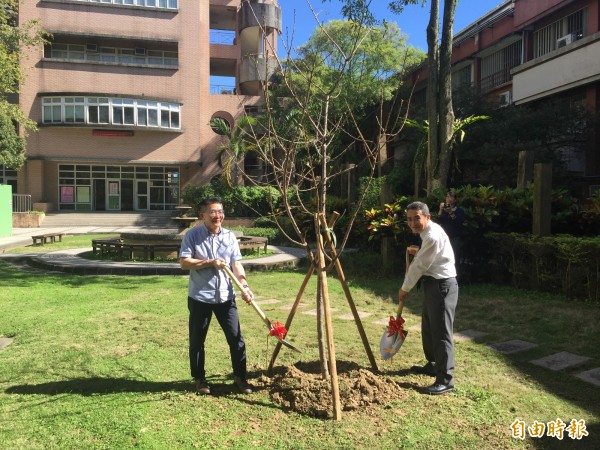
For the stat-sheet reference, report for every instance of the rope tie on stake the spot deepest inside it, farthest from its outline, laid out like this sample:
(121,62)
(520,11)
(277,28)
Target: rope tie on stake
(333,238)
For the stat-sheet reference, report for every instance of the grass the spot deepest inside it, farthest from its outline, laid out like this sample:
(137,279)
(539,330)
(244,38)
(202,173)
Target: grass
(101,362)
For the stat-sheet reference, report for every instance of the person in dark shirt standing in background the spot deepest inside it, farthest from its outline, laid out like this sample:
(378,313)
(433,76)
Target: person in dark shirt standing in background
(451,217)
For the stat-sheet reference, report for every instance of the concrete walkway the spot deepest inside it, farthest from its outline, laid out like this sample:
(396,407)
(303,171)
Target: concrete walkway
(70,261)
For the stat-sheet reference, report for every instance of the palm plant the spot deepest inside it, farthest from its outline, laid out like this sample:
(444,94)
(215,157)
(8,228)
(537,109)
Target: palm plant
(230,153)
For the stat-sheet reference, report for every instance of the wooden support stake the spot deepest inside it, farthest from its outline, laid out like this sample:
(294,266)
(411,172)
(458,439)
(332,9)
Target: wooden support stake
(322,274)
(288,322)
(344,283)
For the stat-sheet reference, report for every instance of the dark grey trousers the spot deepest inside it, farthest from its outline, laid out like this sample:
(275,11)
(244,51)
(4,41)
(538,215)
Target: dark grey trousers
(437,324)
(199,321)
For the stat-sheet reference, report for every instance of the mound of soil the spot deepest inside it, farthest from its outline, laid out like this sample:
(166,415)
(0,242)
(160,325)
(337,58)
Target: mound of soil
(301,388)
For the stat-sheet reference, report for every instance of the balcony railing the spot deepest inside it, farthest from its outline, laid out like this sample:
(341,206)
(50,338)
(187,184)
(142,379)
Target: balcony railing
(223,37)
(495,79)
(222,89)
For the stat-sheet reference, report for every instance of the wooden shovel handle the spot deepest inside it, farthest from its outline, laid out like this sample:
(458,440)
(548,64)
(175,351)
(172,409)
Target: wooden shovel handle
(401,302)
(237,282)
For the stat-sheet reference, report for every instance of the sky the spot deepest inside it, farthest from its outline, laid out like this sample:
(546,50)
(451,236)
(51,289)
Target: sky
(412,21)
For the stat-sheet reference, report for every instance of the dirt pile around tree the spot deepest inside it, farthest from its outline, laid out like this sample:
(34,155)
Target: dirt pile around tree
(300,388)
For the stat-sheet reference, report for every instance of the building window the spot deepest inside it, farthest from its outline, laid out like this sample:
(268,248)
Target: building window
(84,187)
(111,111)
(163,4)
(495,68)
(462,78)
(560,33)
(112,55)
(8,176)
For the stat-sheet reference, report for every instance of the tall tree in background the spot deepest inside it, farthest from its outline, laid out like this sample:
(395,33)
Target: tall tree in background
(13,38)
(440,114)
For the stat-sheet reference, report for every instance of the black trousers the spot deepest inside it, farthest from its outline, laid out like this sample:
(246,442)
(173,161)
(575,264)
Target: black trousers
(199,321)
(437,324)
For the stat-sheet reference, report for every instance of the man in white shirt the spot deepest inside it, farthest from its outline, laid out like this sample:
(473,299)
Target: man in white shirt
(434,263)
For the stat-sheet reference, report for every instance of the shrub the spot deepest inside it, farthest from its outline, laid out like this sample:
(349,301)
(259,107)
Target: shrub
(241,201)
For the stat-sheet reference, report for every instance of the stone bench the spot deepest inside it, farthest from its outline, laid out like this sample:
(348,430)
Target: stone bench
(106,246)
(253,242)
(47,238)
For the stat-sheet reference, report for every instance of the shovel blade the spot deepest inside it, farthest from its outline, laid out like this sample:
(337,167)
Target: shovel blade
(390,345)
(289,345)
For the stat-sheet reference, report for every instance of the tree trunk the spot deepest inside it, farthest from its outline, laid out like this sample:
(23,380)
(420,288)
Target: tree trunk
(439,102)
(432,93)
(446,112)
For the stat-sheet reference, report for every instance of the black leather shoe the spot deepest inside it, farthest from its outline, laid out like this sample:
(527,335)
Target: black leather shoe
(202,387)
(243,385)
(439,388)
(427,369)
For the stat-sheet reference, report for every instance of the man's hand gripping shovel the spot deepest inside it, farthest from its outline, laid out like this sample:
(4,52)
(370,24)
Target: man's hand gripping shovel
(395,334)
(275,328)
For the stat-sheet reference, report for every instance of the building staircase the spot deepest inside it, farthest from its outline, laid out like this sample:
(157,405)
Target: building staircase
(151,219)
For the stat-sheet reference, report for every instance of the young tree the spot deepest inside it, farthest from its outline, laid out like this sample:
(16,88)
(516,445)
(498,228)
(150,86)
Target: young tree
(329,106)
(12,39)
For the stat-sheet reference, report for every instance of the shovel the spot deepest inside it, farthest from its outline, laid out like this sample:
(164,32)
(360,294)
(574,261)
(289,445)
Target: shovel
(275,328)
(395,334)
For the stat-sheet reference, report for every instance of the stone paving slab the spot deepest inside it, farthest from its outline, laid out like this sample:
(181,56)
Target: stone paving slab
(313,312)
(591,376)
(514,346)
(5,342)
(560,361)
(289,307)
(350,316)
(269,301)
(383,322)
(468,335)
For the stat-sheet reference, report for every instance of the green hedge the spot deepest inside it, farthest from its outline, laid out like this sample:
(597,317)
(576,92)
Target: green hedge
(560,263)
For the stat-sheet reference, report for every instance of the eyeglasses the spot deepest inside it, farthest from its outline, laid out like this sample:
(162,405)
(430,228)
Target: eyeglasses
(216,212)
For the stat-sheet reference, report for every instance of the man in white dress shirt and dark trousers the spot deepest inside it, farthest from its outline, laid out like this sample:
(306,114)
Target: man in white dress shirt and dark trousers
(434,263)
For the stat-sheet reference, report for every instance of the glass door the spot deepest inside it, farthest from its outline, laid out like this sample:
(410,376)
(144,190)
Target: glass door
(141,195)
(113,197)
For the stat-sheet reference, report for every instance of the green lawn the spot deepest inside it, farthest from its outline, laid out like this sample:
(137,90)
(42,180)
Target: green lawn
(101,362)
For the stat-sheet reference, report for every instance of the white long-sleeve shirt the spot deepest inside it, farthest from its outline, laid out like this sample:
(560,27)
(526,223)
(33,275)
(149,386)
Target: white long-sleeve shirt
(435,258)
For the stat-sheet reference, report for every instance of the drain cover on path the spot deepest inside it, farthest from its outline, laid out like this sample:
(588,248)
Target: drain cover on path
(514,346)
(560,361)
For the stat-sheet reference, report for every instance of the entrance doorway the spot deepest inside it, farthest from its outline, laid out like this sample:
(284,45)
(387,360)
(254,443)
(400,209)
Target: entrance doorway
(126,195)
(100,195)
(113,199)
(141,195)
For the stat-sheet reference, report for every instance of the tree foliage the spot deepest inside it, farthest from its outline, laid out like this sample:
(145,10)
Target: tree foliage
(12,146)
(13,39)
(237,144)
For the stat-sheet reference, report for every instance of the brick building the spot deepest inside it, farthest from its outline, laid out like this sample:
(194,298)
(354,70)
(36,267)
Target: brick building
(527,51)
(124,93)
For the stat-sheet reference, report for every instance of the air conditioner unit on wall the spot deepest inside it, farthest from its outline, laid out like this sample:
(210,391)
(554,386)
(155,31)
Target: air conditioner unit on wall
(140,51)
(504,99)
(563,41)
(92,48)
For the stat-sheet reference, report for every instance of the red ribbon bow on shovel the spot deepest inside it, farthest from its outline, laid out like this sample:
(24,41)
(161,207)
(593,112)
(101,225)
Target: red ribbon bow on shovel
(396,326)
(278,330)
